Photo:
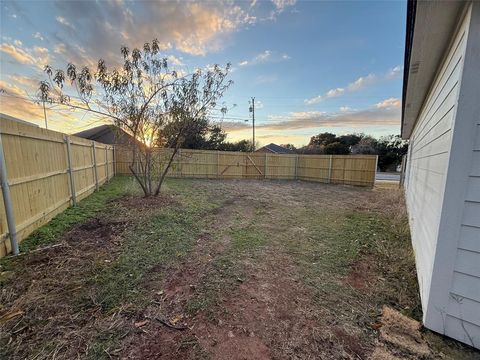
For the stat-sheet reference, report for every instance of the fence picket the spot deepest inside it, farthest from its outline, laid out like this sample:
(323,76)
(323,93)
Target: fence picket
(48,169)
(344,169)
(45,174)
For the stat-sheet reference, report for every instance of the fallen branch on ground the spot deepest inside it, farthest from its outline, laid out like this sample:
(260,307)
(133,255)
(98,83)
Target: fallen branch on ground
(168,324)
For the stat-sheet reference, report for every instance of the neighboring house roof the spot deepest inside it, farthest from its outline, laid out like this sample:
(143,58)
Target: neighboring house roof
(11,118)
(430,25)
(274,148)
(106,134)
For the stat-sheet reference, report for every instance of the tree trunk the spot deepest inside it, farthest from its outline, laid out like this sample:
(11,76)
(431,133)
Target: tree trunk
(134,173)
(165,171)
(144,184)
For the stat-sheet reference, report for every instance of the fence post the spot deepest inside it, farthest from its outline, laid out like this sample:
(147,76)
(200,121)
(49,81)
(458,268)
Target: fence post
(296,166)
(95,173)
(106,162)
(376,167)
(114,161)
(218,164)
(266,167)
(7,200)
(330,163)
(179,153)
(70,171)
(402,173)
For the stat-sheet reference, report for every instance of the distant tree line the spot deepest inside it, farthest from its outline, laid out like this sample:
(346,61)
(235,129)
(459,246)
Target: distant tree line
(206,136)
(389,149)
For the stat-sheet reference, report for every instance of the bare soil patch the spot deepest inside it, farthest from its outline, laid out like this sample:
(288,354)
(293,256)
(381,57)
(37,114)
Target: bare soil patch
(53,291)
(362,275)
(224,270)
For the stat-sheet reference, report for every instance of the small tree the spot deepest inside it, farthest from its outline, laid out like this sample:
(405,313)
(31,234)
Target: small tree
(366,145)
(336,148)
(323,139)
(289,146)
(147,99)
(390,150)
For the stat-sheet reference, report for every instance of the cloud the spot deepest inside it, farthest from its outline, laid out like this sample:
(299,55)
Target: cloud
(173,60)
(389,103)
(38,57)
(361,82)
(356,85)
(11,89)
(279,7)
(264,57)
(282,4)
(38,36)
(384,113)
(14,102)
(394,72)
(17,53)
(191,27)
(64,22)
(40,50)
(258,105)
(87,31)
(28,84)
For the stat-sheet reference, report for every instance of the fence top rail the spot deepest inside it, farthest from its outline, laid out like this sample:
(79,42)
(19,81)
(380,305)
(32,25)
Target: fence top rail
(256,154)
(350,156)
(13,128)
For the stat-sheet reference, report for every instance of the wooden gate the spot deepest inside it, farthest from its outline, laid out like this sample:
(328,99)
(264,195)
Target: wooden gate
(241,165)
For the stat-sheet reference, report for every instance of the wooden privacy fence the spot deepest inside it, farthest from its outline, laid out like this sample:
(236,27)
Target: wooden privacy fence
(43,172)
(47,171)
(336,169)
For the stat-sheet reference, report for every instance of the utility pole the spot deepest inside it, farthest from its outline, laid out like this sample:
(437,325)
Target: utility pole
(45,115)
(252,110)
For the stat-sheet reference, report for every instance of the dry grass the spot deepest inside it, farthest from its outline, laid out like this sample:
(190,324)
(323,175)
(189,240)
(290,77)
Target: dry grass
(254,269)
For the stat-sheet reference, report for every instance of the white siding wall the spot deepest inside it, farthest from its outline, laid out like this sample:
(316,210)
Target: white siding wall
(428,161)
(463,310)
(443,189)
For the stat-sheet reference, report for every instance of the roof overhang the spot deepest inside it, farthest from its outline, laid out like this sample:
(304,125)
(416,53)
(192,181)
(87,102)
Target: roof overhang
(430,28)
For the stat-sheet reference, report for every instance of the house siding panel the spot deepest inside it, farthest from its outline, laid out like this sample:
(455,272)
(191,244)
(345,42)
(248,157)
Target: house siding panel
(428,161)
(469,238)
(465,293)
(475,170)
(443,188)
(459,231)
(461,307)
(461,330)
(473,189)
(466,285)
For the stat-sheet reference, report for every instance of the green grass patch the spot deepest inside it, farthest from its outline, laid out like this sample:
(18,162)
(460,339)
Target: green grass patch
(246,240)
(227,271)
(336,240)
(160,239)
(85,210)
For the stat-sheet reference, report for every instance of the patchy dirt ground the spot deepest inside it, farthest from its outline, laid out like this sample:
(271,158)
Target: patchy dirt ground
(225,270)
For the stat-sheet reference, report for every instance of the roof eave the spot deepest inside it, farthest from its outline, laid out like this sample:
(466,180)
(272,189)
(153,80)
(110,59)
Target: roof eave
(431,27)
(411,12)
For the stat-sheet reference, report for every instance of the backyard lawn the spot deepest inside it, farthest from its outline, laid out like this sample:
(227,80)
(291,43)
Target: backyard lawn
(220,270)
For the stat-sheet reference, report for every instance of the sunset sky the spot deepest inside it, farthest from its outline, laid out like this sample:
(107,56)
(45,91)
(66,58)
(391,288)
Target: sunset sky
(312,66)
